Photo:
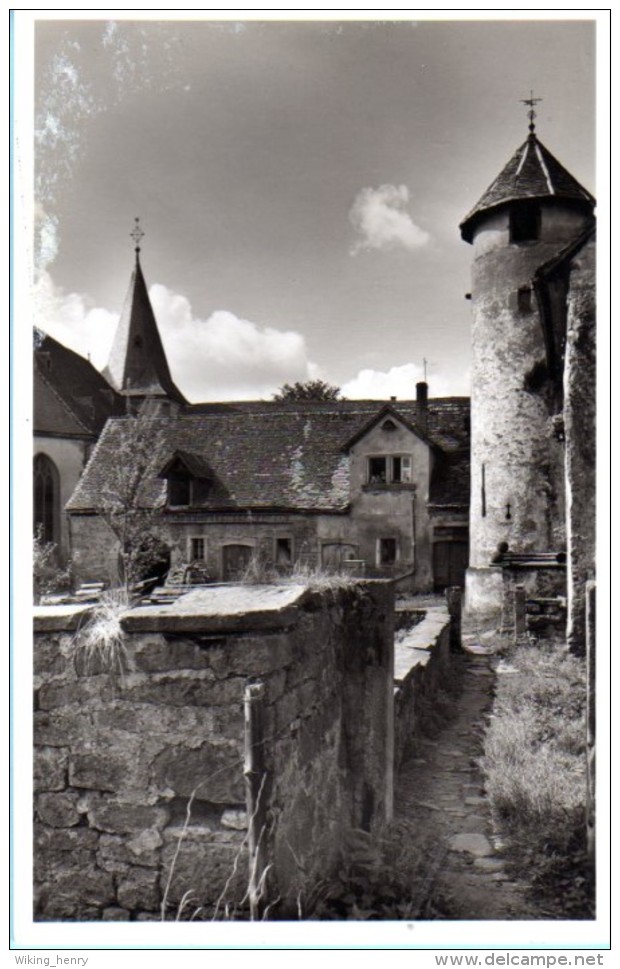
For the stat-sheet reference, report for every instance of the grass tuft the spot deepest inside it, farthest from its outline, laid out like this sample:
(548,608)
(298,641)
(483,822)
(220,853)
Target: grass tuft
(101,641)
(535,763)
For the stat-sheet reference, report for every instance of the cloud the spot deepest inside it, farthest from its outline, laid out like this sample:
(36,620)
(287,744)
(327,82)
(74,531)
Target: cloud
(225,357)
(400,382)
(380,217)
(219,358)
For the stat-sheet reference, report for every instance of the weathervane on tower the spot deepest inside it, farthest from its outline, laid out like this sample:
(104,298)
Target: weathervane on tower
(531,101)
(137,234)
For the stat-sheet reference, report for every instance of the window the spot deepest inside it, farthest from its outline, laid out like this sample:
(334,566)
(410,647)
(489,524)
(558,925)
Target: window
(524,222)
(197,550)
(524,299)
(284,551)
(46,498)
(390,469)
(401,469)
(387,551)
(179,491)
(377,470)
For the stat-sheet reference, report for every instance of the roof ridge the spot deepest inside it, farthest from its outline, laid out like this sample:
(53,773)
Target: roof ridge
(63,400)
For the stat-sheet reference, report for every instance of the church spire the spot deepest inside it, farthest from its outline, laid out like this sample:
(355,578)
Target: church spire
(137,366)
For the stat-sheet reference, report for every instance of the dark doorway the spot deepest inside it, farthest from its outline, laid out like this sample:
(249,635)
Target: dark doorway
(450,560)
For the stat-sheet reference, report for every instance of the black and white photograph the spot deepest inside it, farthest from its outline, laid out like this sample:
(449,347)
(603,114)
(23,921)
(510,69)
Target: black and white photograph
(310,306)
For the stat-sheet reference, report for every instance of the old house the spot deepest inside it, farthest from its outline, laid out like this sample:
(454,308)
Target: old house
(532,296)
(72,402)
(380,485)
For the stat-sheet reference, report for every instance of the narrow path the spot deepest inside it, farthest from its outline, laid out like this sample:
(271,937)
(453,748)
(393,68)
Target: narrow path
(440,792)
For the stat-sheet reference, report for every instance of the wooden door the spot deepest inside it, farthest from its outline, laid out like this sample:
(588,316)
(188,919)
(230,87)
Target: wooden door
(235,561)
(450,560)
(334,554)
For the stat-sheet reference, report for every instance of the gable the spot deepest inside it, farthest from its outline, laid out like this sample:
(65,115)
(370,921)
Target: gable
(388,423)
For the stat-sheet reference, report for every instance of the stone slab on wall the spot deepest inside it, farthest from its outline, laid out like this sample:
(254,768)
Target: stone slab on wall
(421,668)
(139,787)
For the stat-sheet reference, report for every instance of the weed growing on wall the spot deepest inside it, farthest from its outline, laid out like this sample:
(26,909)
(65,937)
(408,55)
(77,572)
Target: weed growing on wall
(100,641)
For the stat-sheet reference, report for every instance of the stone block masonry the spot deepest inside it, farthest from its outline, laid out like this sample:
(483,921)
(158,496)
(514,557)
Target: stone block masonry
(138,776)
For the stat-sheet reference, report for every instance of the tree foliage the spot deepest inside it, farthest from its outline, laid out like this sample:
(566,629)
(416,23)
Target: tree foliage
(126,505)
(308,390)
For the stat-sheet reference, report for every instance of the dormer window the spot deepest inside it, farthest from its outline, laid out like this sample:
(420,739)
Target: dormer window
(389,469)
(179,491)
(190,480)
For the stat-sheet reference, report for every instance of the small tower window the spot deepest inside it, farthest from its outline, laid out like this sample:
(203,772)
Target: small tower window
(524,299)
(524,223)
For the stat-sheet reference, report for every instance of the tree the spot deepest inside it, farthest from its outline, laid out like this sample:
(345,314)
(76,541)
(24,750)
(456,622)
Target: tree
(308,390)
(128,503)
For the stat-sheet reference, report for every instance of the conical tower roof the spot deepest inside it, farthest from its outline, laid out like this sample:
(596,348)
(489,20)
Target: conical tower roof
(137,364)
(531,173)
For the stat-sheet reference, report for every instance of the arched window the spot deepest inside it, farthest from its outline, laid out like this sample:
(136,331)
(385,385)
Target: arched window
(46,498)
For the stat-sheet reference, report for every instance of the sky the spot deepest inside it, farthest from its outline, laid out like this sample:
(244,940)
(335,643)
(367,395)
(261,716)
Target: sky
(300,186)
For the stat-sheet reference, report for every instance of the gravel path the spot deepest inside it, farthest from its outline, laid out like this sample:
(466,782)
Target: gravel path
(441,790)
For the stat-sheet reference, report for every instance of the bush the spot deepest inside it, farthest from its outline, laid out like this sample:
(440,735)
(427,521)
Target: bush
(49,578)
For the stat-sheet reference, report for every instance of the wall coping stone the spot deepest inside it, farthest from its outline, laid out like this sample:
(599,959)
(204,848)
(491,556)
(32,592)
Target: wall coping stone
(212,610)
(221,609)
(62,618)
(415,648)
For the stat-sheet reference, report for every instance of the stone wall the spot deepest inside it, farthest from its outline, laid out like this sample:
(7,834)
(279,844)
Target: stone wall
(421,669)
(139,786)
(580,443)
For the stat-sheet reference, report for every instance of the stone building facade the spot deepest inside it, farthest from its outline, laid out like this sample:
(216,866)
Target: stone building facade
(72,402)
(383,486)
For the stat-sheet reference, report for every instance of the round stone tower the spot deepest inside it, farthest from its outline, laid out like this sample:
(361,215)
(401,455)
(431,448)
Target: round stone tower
(530,214)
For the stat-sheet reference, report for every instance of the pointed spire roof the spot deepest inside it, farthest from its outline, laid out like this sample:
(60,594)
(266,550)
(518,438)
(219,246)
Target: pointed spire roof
(137,364)
(531,173)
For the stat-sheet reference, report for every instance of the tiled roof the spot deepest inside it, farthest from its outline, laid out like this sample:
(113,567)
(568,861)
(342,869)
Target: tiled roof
(532,172)
(286,455)
(137,365)
(71,398)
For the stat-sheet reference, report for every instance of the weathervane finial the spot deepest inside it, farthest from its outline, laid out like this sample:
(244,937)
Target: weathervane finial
(137,234)
(531,101)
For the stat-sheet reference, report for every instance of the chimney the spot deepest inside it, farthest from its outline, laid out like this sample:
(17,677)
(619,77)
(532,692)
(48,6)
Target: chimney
(421,397)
